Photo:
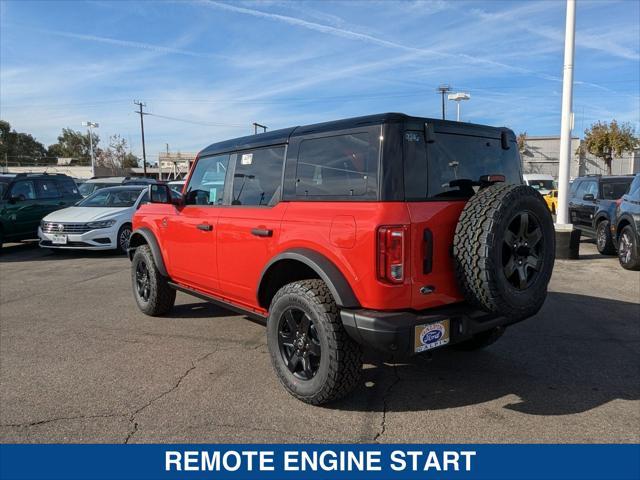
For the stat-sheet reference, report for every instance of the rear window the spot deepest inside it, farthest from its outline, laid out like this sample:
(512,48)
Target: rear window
(430,169)
(337,166)
(613,190)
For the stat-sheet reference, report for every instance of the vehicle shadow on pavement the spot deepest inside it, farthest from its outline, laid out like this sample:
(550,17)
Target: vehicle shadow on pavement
(197,309)
(577,353)
(30,251)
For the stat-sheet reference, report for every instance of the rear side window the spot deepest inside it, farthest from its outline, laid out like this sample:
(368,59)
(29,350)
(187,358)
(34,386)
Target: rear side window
(68,187)
(257,176)
(337,166)
(452,158)
(206,184)
(615,190)
(47,189)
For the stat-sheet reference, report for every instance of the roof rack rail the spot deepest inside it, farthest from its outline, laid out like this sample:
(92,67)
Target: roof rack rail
(36,174)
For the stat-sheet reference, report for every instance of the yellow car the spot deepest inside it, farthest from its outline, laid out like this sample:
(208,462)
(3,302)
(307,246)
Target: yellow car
(552,200)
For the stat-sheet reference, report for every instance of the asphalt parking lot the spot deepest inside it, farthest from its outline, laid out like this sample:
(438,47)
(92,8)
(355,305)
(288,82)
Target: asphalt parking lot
(80,363)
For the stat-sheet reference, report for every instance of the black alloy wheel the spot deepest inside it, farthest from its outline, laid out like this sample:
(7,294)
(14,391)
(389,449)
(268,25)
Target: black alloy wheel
(299,343)
(522,250)
(143,282)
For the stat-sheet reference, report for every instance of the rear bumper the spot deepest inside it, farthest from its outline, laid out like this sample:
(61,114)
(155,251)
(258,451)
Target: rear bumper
(395,332)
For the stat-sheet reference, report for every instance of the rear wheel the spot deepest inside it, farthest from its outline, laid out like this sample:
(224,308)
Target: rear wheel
(628,249)
(504,250)
(151,290)
(314,358)
(604,241)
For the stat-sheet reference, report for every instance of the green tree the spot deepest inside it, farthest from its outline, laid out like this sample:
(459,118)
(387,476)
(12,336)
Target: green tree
(74,144)
(610,140)
(130,161)
(19,146)
(522,141)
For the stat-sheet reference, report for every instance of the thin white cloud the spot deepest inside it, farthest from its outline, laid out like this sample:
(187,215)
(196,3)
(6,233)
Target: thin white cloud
(371,39)
(131,44)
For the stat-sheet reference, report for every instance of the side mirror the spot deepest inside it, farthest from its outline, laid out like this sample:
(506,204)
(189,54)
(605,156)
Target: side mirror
(589,197)
(159,193)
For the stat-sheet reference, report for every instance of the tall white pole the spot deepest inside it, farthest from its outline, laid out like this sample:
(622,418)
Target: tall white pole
(93,160)
(565,126)
(458,115)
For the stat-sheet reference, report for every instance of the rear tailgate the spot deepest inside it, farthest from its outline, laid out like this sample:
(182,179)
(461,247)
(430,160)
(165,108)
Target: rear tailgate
(432,228)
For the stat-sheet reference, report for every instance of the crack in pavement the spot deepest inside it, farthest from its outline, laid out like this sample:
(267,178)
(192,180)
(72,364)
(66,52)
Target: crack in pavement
(58,419)
(385,404)
(132,416)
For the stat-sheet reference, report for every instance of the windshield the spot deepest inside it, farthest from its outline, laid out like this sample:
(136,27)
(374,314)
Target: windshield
(111,198)
(541,184)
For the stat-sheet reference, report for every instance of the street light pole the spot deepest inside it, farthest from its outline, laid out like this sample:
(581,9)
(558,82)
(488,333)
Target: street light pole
(458,97)
(91,125)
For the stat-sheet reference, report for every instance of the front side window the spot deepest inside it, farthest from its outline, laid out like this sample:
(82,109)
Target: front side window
(68,187)
(257,176)
(23,190)
(338,166)
(206,184)
(47,189)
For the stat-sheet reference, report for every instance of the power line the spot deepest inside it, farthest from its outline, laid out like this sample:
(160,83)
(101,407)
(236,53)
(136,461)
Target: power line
(195,122)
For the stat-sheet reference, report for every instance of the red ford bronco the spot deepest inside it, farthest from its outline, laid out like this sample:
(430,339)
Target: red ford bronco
(388,231)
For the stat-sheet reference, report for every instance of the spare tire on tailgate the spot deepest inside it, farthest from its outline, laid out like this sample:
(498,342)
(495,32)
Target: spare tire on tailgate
(504,250)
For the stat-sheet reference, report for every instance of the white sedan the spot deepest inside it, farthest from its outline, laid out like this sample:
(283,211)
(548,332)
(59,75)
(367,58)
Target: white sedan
(102,221)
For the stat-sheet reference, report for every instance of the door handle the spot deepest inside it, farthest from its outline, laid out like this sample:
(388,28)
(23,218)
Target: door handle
(205,227)
(261,232)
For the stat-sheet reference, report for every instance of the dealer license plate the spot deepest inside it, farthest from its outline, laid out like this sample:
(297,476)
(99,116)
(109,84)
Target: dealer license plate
(59,239)
(431,335)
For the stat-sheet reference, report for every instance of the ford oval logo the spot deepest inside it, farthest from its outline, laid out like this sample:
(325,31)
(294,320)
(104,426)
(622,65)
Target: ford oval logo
(432,336)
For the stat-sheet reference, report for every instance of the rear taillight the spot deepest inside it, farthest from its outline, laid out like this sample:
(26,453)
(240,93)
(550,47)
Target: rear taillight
(391,253)
(618,202)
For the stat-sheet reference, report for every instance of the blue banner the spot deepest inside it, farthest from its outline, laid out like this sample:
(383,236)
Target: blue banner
(326,462)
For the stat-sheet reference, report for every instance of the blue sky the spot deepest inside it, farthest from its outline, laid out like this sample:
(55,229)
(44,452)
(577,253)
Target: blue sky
(208,69)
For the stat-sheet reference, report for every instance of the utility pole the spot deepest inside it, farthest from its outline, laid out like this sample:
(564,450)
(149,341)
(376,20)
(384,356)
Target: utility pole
(443,89)
(91,125)
(256,126)
(144,153)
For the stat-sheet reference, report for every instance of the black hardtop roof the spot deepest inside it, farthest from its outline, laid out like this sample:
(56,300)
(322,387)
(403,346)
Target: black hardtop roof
(276,137)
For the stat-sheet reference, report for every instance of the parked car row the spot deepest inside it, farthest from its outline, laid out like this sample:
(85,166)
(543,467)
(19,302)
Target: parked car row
(51,207)
(602,207)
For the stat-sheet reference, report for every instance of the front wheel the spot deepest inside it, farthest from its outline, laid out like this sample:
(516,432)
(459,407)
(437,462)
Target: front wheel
(124,235)
(604,241)
(151,290)
(628,249)
(313,356)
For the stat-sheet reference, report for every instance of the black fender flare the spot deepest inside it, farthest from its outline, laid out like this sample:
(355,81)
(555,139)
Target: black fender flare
(326,270)
(601,216)
(141,236)
(626,219)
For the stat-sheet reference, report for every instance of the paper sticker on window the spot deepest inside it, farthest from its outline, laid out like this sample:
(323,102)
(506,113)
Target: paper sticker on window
(247,159)
(213,195)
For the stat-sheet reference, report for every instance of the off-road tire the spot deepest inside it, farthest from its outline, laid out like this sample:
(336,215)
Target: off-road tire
(121,247)
(479,250)
(604,241)
(340,363)
(633,263)
(480,340)
(161,297)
